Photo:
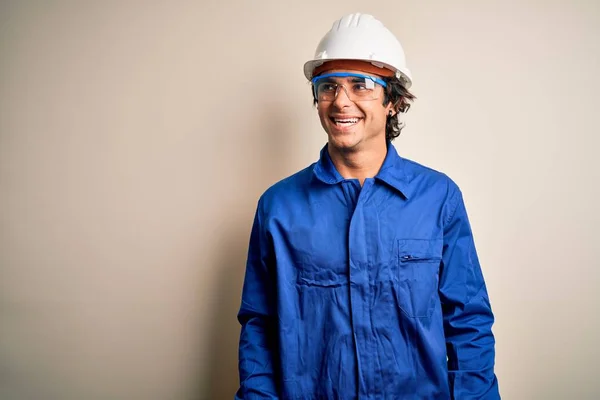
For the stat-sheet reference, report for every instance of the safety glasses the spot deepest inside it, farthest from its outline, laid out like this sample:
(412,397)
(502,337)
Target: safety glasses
(358,87)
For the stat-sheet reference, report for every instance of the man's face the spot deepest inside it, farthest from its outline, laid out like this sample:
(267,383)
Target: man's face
(367,118)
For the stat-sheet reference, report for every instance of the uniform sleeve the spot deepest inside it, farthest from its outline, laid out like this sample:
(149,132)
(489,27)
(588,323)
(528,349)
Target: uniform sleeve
(256,315)
(467,312)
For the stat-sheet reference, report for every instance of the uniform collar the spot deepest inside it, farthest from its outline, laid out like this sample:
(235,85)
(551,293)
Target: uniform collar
(393,171)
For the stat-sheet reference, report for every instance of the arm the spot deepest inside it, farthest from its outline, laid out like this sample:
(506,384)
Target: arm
(256,315)
(467,312)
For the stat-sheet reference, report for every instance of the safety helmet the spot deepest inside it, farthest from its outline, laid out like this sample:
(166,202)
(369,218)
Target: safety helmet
(361,37)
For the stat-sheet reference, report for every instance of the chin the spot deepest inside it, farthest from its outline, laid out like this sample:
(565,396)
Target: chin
(344,142)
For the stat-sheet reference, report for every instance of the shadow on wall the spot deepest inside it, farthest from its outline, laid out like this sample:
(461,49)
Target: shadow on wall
(268,149)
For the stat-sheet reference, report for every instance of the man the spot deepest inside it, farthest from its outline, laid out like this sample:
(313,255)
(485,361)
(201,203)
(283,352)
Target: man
(362,279)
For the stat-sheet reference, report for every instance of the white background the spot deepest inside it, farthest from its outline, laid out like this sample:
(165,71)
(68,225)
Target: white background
(136,138)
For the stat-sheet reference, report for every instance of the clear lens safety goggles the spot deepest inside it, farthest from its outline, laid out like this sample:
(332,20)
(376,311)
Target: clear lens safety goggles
(358,87)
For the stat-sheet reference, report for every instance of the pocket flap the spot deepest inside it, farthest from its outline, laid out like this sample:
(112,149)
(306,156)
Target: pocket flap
(420,249)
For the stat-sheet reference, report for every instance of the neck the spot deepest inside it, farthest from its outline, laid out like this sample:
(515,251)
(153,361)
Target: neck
(358,164)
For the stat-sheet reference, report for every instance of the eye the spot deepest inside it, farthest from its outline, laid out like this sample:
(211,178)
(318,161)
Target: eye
(359,87)
(327,87)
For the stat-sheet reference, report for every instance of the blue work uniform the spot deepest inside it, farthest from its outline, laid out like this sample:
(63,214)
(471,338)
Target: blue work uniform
(371,292)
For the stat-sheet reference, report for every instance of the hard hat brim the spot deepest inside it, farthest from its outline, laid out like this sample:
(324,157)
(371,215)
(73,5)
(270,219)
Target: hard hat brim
(311,65)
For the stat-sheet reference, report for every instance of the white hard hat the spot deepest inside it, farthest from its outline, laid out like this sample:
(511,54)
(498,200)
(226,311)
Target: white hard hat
(364,38)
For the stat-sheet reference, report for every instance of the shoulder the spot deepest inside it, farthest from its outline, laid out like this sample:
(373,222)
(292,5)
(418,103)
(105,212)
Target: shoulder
(287,190)
(434,187)
(424,176)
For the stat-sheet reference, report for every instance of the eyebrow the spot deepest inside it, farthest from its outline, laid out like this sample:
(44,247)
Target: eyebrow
(347,74)
(352,79)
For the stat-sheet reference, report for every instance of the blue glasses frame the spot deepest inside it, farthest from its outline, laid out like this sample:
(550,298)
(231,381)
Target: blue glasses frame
(346,74)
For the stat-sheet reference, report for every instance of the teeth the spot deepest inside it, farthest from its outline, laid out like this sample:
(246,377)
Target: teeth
(346,121)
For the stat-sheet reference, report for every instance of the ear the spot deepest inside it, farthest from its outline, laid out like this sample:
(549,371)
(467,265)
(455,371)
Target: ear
(390,110)
(393,107)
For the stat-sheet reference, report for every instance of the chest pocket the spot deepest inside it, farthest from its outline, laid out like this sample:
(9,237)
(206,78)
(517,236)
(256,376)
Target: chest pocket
(418,267)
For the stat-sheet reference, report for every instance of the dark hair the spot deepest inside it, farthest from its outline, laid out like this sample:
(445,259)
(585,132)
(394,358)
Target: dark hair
(400,97)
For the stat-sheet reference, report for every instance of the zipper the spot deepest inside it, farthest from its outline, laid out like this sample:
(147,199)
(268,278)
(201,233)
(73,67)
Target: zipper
(410,257)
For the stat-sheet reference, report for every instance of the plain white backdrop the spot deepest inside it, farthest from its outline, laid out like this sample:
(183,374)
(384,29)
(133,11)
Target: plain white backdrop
(136,138)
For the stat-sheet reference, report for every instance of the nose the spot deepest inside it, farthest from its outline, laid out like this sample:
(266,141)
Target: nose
(341,99)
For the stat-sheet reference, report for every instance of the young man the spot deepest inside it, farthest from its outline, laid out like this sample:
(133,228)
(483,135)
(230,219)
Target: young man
(362,278)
